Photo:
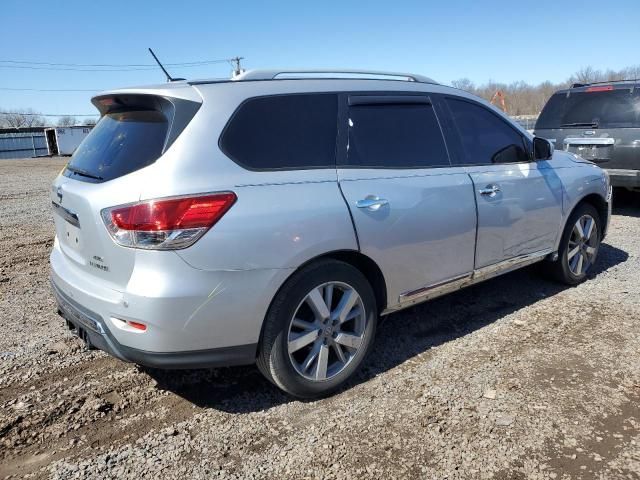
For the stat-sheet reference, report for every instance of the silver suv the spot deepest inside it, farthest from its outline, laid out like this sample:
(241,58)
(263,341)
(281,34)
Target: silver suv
(274,217)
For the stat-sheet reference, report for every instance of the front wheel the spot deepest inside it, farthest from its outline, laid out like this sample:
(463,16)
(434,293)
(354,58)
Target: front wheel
(319,329)
(579,246)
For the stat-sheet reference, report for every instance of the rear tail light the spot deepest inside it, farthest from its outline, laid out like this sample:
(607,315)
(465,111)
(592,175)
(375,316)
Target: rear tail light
(166,223)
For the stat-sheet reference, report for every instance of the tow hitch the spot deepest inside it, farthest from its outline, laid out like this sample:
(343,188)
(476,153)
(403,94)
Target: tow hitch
(79,332)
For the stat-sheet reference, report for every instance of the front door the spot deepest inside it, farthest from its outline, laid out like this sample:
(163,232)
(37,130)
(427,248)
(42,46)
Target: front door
(519,200)
(414,213)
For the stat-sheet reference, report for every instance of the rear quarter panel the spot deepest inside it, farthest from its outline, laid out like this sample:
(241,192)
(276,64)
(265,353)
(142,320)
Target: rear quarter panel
(282,218)
(276,225)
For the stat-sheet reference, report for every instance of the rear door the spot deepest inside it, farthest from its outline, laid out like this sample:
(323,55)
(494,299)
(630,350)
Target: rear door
(413,212)
(519,201)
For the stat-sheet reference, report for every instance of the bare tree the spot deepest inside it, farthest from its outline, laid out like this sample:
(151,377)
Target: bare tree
(525,99)
(588,74)
(90,121)
(66,121)
(22,118)
(463,84)
(634,72)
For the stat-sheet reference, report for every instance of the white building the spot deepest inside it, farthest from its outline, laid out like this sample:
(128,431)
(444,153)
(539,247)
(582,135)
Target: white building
(64,140)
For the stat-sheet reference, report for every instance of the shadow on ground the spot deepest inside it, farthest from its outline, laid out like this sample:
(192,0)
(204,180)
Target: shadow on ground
(626,203)
(400,337)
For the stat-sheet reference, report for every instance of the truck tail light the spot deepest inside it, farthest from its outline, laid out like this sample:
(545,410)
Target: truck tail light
(604,88)
(166,223)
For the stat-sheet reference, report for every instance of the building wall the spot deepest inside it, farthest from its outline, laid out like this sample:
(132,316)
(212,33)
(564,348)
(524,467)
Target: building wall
(22,145)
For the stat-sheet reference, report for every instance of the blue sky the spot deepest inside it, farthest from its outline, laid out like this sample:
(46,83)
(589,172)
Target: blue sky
(501,40)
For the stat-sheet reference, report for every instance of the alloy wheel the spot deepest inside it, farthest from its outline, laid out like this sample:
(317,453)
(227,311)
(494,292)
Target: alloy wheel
(326,331)
(583,245)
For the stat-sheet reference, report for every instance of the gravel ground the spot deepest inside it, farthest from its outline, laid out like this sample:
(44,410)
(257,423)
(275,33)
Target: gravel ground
(514,378)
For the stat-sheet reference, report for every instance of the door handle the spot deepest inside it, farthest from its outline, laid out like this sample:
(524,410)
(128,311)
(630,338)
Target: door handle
(371,202)
(490,190)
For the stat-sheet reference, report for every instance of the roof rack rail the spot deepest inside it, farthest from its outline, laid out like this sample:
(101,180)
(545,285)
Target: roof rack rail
(326,73)
(586,84)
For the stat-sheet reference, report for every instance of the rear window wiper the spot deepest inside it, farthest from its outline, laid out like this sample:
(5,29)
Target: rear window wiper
(581,124)
(84,173)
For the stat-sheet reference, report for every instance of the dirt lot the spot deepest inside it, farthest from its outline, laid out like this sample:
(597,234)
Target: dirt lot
(514,378)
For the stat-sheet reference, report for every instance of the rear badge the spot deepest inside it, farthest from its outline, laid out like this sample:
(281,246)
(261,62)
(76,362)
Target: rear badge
(589,133)
(97,262)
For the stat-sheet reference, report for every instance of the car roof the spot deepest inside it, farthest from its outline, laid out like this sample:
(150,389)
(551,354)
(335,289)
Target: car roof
(274,81)
(272,75)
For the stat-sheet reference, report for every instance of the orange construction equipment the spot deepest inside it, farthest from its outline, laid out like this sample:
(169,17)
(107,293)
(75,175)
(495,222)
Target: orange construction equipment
(499,95)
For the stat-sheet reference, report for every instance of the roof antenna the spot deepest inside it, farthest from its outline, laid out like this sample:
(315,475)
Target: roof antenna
(169,77)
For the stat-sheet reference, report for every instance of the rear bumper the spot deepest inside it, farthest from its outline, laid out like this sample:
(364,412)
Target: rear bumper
(92,328)
(624,178)
(193,318)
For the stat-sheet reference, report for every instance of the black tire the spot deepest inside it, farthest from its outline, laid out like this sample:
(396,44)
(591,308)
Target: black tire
(560,269)
(273,353)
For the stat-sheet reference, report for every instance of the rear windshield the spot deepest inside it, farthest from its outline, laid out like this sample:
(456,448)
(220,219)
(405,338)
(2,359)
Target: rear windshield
(119,144)
(604,109)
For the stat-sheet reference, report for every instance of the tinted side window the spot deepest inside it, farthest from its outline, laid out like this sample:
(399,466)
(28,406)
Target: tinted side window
(284,131)
(484,136)
(395,136)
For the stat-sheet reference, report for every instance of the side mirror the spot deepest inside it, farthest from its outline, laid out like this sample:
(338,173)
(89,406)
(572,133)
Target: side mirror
(542,149)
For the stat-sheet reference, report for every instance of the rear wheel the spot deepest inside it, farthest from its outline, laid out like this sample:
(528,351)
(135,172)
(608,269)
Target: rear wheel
(319,329)
(579,246)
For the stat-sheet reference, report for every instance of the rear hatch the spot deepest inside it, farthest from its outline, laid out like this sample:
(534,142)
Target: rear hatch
(109,168)
(601,123)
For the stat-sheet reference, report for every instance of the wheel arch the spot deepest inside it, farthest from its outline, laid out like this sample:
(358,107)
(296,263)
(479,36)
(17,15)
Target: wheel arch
(601,206)
(368,268)
(596,201)
(359,261)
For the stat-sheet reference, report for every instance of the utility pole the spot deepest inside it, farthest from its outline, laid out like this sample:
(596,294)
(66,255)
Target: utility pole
(237,69)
